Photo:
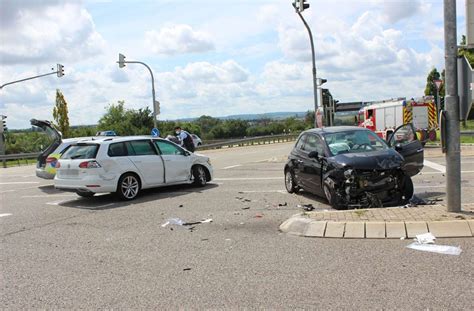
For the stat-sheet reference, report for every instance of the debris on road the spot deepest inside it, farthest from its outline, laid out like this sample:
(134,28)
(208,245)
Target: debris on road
(425,238)
(283,204)
(306,207)
(258,216)
(416,201)
(186,269)
(247,207)
(180,222)
(181,205)
(440,249)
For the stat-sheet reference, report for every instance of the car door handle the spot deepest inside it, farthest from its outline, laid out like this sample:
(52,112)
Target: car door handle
(419,150)
(299,161)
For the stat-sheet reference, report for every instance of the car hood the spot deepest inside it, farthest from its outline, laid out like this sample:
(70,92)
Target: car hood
(381,160)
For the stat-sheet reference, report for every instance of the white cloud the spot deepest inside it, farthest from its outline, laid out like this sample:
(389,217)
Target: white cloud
(46,31)
(395,11)
(178,39)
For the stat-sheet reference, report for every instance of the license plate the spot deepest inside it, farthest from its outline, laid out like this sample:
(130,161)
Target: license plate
(68,173)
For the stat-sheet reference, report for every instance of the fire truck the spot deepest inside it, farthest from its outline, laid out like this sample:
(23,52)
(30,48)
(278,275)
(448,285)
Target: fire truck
(384,117)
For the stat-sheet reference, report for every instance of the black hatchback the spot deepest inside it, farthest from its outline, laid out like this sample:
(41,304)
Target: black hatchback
(354,168)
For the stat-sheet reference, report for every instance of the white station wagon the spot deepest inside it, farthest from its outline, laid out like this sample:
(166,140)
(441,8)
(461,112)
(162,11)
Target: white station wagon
(125,165)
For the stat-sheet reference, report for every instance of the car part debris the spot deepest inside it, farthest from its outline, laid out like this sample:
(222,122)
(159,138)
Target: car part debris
(186,269)
(425,238)
(283,204)
(306,207)
(247,207)
(258,216)
(180,222)
(416,200)
(440,249)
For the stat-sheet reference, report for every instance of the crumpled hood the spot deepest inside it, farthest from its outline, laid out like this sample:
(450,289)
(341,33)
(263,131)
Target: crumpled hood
(383,159)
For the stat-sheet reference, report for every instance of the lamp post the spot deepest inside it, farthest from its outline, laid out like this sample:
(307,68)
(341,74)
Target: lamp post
(59,72)
(300,6)
(122,63)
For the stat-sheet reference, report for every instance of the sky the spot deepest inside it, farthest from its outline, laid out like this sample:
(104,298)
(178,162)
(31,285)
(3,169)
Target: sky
(213,58)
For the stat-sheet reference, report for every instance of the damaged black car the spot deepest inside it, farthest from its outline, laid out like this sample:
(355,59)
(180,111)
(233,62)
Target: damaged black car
(352,167)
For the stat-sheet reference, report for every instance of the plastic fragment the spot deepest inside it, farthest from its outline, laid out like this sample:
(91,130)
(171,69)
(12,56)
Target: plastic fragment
(440,249)
(173,221)
(425,238)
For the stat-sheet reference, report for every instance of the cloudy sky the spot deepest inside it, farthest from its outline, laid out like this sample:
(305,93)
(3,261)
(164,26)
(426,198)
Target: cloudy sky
(212,57)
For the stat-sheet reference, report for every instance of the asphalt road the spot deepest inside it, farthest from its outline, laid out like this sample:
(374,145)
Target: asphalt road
(62,251)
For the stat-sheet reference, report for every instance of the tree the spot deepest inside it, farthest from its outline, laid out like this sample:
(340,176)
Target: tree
(60,114)
(126,121)
(469,53)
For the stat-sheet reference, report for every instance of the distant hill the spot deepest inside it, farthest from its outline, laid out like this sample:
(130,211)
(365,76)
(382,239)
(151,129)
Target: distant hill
(251,117)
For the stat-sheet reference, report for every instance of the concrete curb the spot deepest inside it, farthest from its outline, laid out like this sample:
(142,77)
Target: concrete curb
(303,226)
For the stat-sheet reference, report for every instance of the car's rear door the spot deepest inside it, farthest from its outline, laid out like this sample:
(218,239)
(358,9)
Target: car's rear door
(405,142)
(296,158)
(143,155)
(53,133)
(177,161)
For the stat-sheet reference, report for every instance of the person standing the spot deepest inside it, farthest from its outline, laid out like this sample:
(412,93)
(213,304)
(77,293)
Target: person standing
(185,139)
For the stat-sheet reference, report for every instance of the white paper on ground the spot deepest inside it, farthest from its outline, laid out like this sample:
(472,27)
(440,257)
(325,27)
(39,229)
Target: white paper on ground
(425,238)
(441,249)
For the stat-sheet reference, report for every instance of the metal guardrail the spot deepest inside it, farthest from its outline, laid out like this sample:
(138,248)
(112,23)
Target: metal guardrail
(18,157)
(261,140)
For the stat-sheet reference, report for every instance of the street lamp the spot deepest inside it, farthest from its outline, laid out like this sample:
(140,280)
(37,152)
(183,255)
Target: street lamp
(156,104)
(300,6)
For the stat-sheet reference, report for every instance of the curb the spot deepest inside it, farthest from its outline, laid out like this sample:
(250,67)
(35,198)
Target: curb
(303,226)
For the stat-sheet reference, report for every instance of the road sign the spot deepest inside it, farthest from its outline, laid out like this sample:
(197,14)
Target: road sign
(155,132)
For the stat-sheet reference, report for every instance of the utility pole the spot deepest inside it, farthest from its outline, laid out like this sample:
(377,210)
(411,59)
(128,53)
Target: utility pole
(156,104)
(3,128)
(451,103)
(300,6)
(59,72)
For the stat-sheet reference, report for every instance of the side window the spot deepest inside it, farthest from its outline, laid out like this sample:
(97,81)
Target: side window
(142,147)
(403,135)
(117,150)
(167,148)
(300,143)
(314,143)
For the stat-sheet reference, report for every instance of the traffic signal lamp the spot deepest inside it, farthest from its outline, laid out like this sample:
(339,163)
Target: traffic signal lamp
(4,124)
(60,70)
(320,81)
(121,60)
(303,5)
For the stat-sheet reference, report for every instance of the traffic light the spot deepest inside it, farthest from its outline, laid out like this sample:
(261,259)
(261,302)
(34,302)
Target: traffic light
(302,5)
(121,60)
(60,70)
(320,81)
(3,127)
(157,107)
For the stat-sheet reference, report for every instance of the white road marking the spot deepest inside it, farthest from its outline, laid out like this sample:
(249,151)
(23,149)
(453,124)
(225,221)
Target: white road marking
(462,172)
(435,166)
(250,178)
(232,166)
(14,190)
(48,195)
(19,182)
(5,215)
(264,191)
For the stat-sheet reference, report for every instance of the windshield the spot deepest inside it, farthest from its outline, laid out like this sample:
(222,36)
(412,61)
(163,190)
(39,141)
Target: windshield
(81,151)
(354,142)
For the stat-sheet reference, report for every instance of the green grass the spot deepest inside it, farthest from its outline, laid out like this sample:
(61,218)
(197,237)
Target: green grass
(463,139)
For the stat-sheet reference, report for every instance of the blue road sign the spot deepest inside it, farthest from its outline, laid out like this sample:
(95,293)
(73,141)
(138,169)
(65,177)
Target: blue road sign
(155,132)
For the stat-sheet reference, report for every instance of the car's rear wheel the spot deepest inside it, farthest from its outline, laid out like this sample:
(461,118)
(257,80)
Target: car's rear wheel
(290,183)
(85,194)
(199,176)
(128,187)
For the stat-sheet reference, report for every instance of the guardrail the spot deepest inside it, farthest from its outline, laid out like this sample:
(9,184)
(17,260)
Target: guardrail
(261,140)
(18,157)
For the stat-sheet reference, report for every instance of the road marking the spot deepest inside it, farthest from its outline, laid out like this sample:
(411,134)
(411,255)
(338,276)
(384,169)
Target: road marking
(462,172)
(232,166)
(48,195)
(5,215)
(19,182)
(14,190)
(435,166)
(264,191)
(250,178)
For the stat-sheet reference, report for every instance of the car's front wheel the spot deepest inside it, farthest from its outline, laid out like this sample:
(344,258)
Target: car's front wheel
(290,183)
(128,187)
(330,194)
(407,189)
(199,176)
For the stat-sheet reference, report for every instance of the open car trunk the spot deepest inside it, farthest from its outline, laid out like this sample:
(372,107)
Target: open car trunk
(52,132)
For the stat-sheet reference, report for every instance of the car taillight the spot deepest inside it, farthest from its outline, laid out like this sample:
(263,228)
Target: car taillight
(50,160)
(89,164)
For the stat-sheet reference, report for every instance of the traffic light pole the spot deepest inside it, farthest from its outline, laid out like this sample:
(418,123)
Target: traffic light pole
(155,125)
(451,103)
(315,87)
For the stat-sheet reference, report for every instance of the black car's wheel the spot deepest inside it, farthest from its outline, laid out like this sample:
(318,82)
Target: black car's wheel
(85,194)
(331,197)
(290,183)
(199,176)
(128,187)
(407,188)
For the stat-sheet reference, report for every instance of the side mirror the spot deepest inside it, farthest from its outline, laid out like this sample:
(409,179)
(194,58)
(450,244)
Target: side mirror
(313,155)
